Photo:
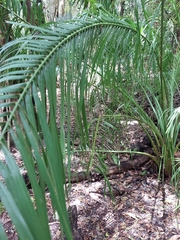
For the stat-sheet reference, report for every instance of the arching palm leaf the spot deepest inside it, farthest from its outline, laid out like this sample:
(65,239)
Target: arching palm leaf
(73,51)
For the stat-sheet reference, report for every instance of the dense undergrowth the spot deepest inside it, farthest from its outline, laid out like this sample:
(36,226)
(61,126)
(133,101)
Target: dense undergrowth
(123,63)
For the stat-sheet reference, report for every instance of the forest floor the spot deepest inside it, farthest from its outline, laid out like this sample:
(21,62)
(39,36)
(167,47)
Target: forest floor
(137,206)
(142,207)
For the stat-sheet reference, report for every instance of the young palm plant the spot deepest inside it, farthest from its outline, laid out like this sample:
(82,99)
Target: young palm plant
(123,52)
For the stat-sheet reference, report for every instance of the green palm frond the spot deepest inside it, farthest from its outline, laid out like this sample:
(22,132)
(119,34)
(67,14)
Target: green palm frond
(64,55)
(38,50)
(29,12)
(26,11)
(43,73)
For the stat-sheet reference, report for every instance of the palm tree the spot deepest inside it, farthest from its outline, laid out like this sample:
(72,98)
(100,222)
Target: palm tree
(128,54)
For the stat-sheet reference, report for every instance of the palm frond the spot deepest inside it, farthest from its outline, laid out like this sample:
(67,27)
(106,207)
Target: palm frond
(42,49)
(65,54)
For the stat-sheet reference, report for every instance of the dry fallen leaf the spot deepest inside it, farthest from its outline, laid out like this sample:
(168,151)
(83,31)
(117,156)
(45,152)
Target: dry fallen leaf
(175,237)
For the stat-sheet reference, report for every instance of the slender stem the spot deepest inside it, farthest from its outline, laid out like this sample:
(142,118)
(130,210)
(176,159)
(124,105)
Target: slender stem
(163,91)
(94,143)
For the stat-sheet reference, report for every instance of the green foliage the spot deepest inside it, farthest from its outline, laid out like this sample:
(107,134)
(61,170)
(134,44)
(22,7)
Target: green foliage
(129,56)
(29,12)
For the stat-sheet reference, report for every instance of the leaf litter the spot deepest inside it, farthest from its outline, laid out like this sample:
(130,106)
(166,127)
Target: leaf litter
(142,207)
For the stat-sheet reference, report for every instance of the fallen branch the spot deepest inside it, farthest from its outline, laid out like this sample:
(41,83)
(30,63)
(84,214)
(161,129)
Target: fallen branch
(125,165)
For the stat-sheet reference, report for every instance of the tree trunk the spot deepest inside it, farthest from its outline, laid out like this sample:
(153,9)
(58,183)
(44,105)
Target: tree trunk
(54,9)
